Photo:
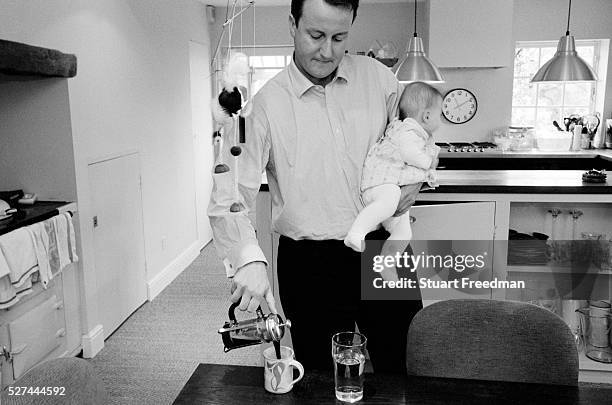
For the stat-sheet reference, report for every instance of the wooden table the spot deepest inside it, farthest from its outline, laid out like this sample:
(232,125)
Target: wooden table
(225,384)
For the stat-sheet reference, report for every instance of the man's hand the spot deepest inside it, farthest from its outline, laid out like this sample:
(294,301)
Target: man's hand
(251,283)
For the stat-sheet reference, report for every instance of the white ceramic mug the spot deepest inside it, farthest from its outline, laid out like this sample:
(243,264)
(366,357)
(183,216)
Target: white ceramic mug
(278,373)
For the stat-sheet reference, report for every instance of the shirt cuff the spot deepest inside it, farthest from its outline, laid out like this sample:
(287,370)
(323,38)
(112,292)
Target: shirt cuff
(242,255)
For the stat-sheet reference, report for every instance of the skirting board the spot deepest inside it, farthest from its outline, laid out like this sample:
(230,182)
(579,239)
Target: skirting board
(172,270)
(93,342)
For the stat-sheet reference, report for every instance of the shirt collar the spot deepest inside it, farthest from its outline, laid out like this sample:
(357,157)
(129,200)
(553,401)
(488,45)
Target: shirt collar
(301,84)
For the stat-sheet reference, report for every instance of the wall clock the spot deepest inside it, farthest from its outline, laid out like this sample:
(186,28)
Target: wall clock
(459,106)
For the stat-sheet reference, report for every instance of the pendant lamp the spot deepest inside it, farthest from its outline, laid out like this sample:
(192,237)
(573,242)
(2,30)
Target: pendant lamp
(565,65)
(417,66)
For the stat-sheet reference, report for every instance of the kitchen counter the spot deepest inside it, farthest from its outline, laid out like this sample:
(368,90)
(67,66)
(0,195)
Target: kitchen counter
(30,214)
(605,154)
(518,182)
(511,182)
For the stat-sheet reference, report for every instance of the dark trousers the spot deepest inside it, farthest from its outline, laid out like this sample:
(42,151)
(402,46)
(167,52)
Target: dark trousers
(319,286)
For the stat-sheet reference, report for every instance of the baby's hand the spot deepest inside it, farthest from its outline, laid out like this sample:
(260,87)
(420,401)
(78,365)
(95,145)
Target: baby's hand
(435,162)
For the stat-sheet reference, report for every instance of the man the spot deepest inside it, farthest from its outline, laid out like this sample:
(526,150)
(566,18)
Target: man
(311,127)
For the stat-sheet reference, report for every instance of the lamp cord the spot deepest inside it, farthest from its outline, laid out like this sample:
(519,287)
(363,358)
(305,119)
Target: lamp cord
(415,17)
(569,12)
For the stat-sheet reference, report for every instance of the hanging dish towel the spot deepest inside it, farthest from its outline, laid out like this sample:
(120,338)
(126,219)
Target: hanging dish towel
(40,240)
(19,253)
(9,295)
(55,245)
(71,238)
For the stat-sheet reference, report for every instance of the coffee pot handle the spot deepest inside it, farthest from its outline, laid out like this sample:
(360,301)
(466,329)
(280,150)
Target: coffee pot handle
(232,315)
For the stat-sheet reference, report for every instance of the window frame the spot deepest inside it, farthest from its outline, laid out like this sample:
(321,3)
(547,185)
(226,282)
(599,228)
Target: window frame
(250,51)
(597,94)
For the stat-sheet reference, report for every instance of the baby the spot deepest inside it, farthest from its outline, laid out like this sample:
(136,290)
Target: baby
(405,156)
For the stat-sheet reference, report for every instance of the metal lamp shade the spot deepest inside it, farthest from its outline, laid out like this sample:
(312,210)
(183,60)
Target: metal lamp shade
(417,67)
(565,65)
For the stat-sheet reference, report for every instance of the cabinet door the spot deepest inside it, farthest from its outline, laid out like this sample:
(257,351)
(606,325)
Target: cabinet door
(36,334)
(471,33)
(453,229)
(118,238)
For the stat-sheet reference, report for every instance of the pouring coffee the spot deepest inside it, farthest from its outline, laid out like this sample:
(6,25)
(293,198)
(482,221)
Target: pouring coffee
(263,329)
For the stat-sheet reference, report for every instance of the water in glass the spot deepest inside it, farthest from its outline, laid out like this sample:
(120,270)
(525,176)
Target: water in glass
(348,370)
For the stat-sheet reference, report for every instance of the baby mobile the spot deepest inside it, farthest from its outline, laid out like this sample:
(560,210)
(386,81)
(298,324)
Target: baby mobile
(230,107)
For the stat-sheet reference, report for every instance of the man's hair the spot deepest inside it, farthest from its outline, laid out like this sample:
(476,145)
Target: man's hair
(417,96)
(298,5)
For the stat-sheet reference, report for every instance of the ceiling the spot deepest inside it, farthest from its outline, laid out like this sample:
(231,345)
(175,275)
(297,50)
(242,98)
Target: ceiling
(264,3)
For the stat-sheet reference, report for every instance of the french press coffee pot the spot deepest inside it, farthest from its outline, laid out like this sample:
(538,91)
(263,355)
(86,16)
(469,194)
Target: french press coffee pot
(264,328)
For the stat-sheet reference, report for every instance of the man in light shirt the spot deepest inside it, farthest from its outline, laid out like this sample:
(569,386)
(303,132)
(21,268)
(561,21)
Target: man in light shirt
(310,128)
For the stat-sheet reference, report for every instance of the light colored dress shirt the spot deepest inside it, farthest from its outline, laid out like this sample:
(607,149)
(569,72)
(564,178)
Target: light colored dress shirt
(312,141)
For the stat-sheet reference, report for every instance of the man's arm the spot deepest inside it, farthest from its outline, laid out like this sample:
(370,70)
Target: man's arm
(233,233)
(394,91)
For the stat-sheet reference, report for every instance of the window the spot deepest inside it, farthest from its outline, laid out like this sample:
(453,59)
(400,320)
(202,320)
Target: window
(265,63)
(265,67)
(538,104)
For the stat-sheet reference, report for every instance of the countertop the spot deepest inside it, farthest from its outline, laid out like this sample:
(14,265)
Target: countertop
(531,154)
(512,182)
(30,214)
(518,182)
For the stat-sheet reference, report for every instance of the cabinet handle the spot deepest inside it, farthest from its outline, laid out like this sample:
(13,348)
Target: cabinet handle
(60,333)
(412,219)
(8,355)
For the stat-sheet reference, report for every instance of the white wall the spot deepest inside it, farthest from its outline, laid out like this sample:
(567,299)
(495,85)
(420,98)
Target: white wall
(36,153)
(532,20)
(382,22)
(132,91)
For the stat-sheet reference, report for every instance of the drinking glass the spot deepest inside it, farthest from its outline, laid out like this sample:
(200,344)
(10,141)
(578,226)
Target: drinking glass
(348,353)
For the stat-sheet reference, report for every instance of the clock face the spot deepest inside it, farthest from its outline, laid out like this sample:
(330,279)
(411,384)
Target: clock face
(459,106)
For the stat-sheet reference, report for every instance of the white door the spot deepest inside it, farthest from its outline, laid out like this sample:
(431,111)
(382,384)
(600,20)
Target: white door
(118,238)
(199,66)
(466,228)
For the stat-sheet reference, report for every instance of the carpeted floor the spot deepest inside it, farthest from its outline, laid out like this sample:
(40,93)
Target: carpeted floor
(152,355)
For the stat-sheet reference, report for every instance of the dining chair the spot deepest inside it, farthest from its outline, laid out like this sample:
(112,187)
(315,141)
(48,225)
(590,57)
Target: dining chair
(491,340)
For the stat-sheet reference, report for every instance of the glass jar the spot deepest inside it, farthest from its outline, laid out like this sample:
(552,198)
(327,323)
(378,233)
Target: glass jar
(522,138)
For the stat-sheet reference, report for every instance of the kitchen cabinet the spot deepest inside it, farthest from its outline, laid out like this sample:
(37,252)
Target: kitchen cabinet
(465,228)
(557,284)
(527,213)
(471,33)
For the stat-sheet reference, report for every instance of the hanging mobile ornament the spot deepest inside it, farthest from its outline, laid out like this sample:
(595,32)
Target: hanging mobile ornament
(236,206)
(228,107)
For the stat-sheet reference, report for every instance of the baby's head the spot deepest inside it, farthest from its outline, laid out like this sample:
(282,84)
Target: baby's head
(423,103)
